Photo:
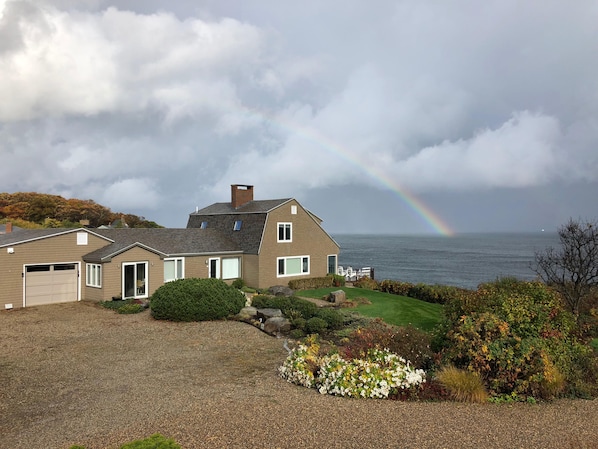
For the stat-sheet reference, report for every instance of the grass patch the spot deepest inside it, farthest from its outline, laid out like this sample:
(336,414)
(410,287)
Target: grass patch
(393,309)
(594,344)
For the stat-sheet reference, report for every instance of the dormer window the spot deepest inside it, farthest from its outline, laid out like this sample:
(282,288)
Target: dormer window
(237,226)
(204,224)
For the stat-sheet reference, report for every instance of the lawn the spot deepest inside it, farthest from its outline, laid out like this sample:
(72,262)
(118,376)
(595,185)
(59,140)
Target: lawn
(393,309)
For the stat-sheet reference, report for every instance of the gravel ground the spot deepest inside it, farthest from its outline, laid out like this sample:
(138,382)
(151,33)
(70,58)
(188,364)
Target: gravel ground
(80,374)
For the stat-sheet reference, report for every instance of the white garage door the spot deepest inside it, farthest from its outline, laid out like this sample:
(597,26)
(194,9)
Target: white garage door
(50,284)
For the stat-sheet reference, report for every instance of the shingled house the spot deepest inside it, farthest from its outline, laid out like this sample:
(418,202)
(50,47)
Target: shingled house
(280,239)
(263,242)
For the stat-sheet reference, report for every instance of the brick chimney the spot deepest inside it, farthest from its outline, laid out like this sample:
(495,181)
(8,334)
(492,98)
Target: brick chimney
(8,227)
(240,195)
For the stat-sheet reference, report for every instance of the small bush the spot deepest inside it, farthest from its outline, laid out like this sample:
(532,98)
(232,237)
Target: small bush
(130,308)
(296,334)
(316,325)
(334,319)
(463,386)
(196,300)
(156,441)
(366,282)
(311,283)
(238,283)
(307,309)
(407,341)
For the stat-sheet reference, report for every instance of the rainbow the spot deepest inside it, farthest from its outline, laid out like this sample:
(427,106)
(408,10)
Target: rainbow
(430,218)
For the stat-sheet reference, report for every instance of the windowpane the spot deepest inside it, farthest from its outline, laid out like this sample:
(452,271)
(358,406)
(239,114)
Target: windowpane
(169,274)
(331,264)
(293,265)
(93,275)
(230,268)
(281,266)
(305,265)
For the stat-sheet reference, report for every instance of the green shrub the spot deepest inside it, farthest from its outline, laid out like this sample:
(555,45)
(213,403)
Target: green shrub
(312,283)
(196,300)
(238,283)
(299,323)
(334,319)
(315,325)
(287,305)
(296,334)
(131,308)
(156,441)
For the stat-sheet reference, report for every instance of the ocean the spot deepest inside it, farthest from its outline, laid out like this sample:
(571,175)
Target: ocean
(464,260)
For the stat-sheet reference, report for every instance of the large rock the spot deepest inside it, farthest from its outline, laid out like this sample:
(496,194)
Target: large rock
(277,325)
(264,314)
(247,313)
(280,290)
(337,297)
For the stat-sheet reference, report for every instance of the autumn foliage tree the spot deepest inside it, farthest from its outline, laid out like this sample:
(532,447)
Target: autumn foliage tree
(56,211)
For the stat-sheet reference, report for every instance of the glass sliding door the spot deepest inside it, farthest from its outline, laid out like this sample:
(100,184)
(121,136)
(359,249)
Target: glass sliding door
(134,280)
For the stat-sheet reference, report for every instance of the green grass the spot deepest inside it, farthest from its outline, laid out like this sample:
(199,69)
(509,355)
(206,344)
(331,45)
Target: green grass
(594,344)
(393,309)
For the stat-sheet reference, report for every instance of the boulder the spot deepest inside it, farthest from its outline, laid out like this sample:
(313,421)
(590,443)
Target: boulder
(277,325)
(264,314)
(280,290)
(247,313)
(337,297)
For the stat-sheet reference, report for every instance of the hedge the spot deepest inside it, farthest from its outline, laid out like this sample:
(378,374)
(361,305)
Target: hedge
(196,300)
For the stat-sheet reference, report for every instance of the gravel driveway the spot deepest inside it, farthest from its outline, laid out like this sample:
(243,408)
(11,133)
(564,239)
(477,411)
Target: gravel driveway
(80,374)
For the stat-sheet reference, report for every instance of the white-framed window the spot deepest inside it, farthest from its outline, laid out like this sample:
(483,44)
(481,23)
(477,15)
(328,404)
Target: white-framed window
(93,275)
(81,238)
(134,280)
(332,263)
(231,268)
(285,232)
(174,268)
(293,209)
(292,266)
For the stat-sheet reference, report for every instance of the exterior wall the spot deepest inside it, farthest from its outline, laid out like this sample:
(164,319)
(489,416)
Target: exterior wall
(50,250)
(308,239)
(251,270)
(112,276)
(195,267)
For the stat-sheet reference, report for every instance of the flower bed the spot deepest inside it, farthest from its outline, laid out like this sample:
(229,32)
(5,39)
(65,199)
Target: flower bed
(379,374)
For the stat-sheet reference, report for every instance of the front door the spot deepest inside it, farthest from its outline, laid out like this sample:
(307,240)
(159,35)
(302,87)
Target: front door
(214,268)
(134,280)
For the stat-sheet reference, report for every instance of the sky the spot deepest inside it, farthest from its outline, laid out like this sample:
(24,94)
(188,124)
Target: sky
(400,117)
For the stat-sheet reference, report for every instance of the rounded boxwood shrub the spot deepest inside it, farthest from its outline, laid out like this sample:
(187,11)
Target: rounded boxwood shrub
(334,319)
(196,300)
(315,325)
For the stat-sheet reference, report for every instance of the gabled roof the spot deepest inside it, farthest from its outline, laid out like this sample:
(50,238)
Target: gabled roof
(28,235)
(252,207)
(163,241)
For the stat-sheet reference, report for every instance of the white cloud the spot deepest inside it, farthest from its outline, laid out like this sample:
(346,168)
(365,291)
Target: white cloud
(522,152)
(131,194)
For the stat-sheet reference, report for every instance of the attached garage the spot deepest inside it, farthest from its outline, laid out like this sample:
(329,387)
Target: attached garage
(51,283)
